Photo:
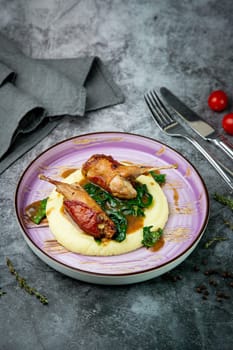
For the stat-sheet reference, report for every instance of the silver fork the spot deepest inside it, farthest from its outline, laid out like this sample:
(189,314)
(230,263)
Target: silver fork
(172,127)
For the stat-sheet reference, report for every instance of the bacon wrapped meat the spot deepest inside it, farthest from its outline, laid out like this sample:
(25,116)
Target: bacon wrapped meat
(85,212)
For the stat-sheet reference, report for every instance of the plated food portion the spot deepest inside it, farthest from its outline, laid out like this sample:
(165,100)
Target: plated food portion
(107,207)
(139,237)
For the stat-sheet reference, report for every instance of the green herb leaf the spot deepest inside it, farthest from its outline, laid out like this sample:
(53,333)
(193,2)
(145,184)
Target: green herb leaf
(98,240)
(151,237)
(143,199)
(40,213)
(121,224)
(23,283)
(160,178)
(225,200)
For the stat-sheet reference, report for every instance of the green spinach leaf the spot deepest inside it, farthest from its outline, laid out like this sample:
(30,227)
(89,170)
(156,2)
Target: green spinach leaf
(160,178)
(40,212)
(151,237)
(118,209)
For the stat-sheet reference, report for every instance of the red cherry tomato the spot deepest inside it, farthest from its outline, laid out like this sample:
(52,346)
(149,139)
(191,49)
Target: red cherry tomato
(218,100)
(227,123)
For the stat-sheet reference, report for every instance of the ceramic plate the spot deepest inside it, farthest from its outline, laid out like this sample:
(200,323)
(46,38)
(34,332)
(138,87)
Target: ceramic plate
(185,190)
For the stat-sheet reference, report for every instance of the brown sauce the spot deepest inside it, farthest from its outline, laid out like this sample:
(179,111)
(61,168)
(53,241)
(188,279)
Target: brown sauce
(188,172)
(175,196)
(67,172)
(161,151)
(83,182)
(134,223)
(48,212)
(158,245)
(44,222)
(32,209)
(62,210)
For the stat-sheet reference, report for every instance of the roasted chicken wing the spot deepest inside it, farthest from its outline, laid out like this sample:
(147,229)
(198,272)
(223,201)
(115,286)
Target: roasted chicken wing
(86,213)
(113,176)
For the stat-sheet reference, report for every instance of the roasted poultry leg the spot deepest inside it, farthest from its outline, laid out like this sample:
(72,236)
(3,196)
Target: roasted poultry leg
(86,213)
(113,176)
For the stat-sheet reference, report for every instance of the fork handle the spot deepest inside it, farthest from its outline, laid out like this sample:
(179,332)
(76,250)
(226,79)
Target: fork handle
(223,171)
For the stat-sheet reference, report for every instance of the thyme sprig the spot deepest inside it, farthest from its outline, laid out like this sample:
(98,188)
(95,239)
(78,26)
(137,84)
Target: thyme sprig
(213,240)
(229,224)
(225,200)
(23,283)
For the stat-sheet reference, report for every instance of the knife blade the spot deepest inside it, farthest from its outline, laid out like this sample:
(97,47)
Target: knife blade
(199,125)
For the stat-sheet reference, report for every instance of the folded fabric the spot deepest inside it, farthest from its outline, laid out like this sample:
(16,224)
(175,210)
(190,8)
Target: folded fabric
(35,92)
(6,74)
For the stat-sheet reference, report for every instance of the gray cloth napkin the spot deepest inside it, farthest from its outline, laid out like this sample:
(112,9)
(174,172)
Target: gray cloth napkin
(34,93)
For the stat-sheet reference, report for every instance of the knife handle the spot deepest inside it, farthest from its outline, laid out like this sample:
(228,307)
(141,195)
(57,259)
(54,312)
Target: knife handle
(221,144)
(223,171)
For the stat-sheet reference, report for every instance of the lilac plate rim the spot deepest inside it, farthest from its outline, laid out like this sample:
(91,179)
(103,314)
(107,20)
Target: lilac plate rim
(78,270)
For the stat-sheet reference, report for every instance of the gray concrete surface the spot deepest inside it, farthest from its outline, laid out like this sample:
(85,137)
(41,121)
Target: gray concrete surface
(188,47)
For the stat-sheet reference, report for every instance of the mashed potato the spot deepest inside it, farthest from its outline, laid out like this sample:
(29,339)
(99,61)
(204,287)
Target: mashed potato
(69,235)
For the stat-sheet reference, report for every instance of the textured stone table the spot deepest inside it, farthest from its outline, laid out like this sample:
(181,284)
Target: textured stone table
(186,46)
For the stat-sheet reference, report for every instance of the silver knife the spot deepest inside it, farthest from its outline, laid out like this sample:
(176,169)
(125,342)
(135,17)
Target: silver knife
(200,126)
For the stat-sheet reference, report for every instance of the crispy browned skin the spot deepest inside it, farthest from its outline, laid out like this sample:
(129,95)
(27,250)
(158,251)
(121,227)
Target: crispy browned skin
(113,176)
(84,210)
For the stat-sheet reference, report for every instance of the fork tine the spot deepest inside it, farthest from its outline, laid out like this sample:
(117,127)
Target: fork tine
(158,110)
(150,103)
(163,110)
